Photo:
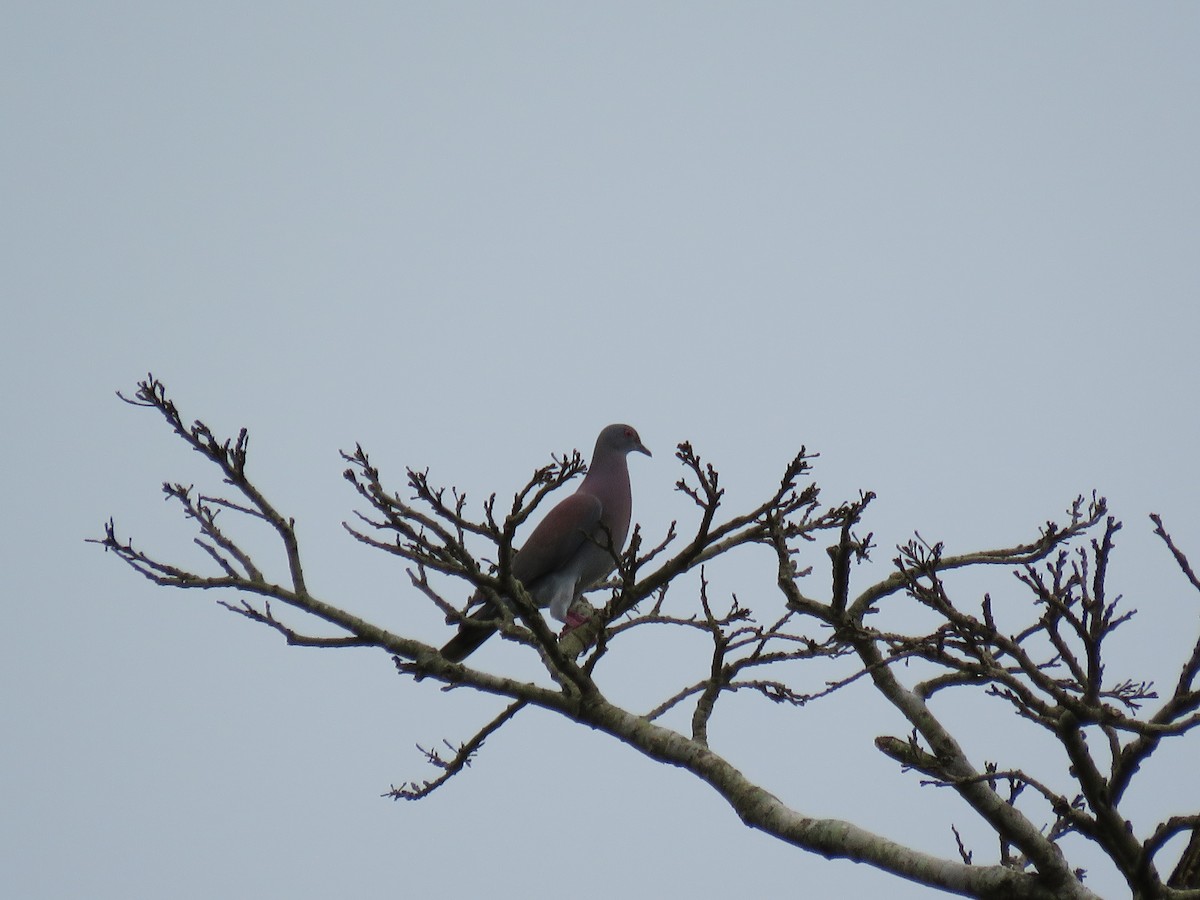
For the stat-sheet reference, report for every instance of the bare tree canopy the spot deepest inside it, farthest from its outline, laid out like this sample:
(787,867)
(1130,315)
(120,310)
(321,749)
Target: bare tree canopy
(1051,669)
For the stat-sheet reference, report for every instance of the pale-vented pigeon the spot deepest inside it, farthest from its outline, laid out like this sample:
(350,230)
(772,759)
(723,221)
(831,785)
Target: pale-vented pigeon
(569,552)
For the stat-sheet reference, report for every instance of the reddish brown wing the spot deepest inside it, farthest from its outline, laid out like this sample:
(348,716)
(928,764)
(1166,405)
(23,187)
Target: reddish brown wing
(557,537)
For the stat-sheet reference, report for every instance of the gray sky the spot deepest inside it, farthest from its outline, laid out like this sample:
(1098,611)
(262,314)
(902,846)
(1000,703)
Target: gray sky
(952,247)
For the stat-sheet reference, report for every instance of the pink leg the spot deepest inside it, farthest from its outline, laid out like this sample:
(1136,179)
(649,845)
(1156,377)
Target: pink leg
(574,620)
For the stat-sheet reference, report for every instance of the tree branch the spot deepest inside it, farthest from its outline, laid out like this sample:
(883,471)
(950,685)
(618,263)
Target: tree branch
(1051,671)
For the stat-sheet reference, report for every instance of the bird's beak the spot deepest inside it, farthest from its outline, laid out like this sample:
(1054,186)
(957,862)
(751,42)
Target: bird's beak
(641,448)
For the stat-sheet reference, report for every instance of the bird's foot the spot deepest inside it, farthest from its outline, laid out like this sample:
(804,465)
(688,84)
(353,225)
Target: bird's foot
(574,620)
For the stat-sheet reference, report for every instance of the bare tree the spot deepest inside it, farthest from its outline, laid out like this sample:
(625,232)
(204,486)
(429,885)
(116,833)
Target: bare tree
(1052,670)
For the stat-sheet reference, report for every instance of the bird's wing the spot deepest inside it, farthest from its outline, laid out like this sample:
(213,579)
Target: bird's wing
(558,537)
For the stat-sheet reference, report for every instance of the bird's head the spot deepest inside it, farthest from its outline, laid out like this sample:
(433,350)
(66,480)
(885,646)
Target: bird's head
(621,439)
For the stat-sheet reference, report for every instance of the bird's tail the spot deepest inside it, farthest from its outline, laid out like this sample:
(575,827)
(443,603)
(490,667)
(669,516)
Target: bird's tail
(471,634)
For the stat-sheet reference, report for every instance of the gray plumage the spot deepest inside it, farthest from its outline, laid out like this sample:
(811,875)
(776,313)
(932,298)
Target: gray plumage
(568,551)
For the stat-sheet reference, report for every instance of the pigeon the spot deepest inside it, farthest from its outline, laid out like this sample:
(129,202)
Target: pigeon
(569,551)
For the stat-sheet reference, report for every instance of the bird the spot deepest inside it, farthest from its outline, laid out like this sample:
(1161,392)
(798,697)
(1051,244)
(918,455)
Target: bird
(569,551)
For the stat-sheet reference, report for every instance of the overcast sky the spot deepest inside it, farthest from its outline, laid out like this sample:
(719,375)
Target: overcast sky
(952,247)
